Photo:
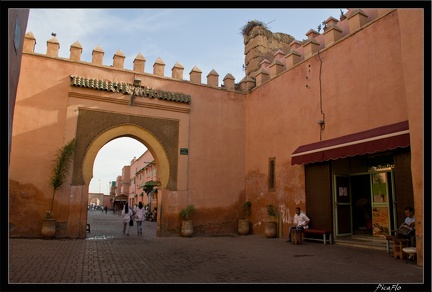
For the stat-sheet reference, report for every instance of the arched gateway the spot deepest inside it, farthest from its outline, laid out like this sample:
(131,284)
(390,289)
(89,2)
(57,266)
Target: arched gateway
(90,146)
(97,127)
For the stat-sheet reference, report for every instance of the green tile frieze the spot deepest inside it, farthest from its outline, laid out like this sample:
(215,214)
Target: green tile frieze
(127,88)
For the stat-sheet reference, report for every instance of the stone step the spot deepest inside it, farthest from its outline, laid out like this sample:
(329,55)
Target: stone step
(369,242)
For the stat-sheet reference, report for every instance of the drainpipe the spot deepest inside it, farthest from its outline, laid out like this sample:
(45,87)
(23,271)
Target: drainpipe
(321,122)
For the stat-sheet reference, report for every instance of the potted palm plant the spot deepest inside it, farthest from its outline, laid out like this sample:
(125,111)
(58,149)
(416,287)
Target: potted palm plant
(243,224)
(59,170)
(270,226)
(187,226)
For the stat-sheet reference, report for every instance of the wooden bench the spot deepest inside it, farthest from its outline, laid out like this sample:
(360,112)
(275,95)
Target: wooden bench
(308,232)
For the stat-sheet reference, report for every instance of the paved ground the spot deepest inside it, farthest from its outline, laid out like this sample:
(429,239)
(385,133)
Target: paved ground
(108,256)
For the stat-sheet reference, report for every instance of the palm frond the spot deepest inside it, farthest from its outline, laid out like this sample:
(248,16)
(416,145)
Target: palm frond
(60,167)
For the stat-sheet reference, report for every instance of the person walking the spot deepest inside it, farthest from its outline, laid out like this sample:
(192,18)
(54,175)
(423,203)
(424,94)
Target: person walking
(301,221)
(139,215)
(127,216)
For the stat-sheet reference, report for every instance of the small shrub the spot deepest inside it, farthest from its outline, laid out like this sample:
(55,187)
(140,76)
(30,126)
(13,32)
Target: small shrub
(271,210)
(186,213)
(247,209)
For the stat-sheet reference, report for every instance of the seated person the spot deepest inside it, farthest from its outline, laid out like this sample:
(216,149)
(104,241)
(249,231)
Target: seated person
(301,221)
(407,229)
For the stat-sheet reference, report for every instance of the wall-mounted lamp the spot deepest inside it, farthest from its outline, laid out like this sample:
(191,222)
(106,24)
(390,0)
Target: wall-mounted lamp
(322,125)
(136,83)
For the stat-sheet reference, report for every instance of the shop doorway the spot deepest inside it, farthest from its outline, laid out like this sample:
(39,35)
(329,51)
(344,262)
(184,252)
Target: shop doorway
(362,206)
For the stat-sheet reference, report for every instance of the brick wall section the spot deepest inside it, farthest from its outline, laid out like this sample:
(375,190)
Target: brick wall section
(262,44)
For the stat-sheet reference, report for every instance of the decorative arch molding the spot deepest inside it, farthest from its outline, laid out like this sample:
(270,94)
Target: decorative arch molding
(97,128)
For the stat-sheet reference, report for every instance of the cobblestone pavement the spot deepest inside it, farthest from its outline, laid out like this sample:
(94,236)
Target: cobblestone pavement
(110,257)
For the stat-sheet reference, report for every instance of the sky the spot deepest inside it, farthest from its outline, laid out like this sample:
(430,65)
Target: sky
(210,39)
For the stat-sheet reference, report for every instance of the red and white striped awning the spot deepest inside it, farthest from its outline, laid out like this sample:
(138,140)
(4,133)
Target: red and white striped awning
(367,142)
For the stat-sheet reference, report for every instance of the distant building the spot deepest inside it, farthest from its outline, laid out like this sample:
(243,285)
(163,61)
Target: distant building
(143,181)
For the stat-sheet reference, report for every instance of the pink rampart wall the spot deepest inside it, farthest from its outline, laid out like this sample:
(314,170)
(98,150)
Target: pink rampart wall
(370,78)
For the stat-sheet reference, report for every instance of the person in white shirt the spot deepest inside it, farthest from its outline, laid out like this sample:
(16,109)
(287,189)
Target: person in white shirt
(126,216)
(301,221)
(139,216)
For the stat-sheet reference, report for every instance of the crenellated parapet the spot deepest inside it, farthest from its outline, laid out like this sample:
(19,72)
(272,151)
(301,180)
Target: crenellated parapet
(278,64)
(229,82)
(213,78)
(332,32)
(195,75)
(97,55)
(293,56)
(75,51)
(311,46)
(139,63)
(118,59)
(159,67)
(177,71)
(53,46)
(298,51)
(267,54)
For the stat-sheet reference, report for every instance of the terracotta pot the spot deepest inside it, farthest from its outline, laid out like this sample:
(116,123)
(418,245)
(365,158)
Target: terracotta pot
(187,228)
(48,228)
(243,227)
(270,230)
